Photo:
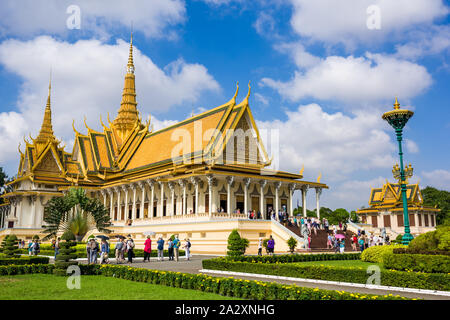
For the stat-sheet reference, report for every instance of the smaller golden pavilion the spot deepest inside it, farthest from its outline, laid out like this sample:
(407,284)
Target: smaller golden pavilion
(386,209)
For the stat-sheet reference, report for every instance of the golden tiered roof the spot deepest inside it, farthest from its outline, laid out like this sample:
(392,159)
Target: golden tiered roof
(128,150)
(390,197)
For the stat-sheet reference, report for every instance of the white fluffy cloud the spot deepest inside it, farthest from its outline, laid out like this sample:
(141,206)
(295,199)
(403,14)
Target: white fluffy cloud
(331,143)
(87,80)
(334,21)
(30,17)
(439,178)
(353,80)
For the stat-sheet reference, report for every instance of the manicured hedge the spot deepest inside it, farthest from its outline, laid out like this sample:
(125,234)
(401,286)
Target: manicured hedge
(286,258)
(418,262)
(246,289)
(420,251)
(432,281)
(24,260)
(377,253)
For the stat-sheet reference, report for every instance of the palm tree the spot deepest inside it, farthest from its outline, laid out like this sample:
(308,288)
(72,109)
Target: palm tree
(77,213)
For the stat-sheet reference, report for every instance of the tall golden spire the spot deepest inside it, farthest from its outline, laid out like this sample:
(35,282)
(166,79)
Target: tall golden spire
(128,114)
(46,132)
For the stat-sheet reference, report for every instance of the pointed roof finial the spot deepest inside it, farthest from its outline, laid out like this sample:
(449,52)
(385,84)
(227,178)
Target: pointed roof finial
(248,93)
(46,132)
(396,104)
(233,100)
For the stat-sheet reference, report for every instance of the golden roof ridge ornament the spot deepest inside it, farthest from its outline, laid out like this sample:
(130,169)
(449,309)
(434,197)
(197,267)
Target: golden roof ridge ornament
(233,100)
(320,176)
(248,94)
(301,171)
(75,130)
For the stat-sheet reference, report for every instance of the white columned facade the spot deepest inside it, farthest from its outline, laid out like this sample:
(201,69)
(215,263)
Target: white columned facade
(262,184)
(125,190)
(182,184)
(161,205)
(133,209)
(111,206)
(117,189)
(229,180)
(172,197)
(210,186)
(291,188)
(151,184)
(277,199)
(103,192)
(318,193)
(195,181)
(141,210)
(246,185)
(304,191)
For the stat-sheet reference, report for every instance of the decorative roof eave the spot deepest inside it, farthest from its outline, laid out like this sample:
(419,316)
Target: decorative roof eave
(262,177)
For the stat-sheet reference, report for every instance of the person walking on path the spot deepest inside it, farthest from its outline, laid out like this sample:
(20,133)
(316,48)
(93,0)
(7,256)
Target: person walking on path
(170,249)
(329,242)
(160,248)
(130,250)
(354,242)
(30,248)
(147,249)
(93,249)
(260,245)
(104,252)
(342,246)
(176,247)
(57,247)
(35,248)
(187,248)
(361,244)
(270,246)
(118,251)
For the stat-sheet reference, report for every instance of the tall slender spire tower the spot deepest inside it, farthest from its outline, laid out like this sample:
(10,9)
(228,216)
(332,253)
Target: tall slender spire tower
(46,133)
(128,115)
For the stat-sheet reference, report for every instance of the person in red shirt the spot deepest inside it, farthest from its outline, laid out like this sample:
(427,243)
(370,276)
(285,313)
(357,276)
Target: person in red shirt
(147,249)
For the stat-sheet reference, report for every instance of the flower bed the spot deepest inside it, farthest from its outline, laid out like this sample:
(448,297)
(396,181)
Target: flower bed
(238,288)
(432,281)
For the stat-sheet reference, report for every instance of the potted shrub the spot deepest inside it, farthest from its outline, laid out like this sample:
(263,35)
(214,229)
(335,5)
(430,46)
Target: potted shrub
(236,245)
(292,243)
(11,248)
(66,255)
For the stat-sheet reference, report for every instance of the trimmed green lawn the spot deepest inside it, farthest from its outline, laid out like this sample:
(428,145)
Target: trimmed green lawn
(50,287)
(340,263)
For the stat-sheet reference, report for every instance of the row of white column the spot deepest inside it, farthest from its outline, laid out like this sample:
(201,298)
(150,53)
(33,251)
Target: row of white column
(195,181)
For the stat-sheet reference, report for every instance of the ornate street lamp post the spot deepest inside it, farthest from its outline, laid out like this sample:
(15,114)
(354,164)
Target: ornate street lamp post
(398,118)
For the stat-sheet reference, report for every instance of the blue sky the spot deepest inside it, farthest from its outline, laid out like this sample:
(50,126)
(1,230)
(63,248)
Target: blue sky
(319,75)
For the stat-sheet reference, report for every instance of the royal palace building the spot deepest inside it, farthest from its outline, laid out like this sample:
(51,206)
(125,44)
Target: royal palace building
(386,210)
(198,178)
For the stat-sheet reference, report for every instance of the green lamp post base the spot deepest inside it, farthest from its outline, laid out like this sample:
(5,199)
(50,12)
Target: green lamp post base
(406,239)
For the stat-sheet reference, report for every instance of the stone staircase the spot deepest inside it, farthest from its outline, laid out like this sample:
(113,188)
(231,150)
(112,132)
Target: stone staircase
(319,240)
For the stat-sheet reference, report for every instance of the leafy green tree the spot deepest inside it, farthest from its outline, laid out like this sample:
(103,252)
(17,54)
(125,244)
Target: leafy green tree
(3,181)
(75,212)
(236,244)
(354,217)
(438,198)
